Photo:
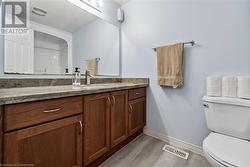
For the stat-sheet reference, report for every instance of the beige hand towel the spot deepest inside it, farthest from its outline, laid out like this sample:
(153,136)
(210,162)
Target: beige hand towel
(92,66)
(170,65)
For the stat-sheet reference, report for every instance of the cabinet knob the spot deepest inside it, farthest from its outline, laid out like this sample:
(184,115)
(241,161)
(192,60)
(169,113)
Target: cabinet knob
(131,108)
(109,101)
(80,123)
(113,97)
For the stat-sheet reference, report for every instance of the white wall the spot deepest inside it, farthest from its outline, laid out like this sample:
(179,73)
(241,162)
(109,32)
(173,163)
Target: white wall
(98,39)
(221,30)
(110,12)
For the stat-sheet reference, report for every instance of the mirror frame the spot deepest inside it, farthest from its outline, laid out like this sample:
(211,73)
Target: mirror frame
(100,14)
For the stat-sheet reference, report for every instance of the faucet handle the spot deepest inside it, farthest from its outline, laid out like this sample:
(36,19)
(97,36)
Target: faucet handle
(87,73)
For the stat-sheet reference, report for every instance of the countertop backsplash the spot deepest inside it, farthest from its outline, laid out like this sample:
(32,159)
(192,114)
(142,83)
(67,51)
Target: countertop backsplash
(37,82)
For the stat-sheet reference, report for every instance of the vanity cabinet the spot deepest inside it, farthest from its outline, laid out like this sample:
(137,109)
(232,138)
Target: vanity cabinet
(137,110)
(119,117)
(58,143)
(71,132)
(136,115)
(44,133)
(28,114)
(96,126)
(110,120)
(105,123)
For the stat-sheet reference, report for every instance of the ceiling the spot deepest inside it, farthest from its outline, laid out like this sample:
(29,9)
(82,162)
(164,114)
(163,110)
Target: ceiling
(61,14)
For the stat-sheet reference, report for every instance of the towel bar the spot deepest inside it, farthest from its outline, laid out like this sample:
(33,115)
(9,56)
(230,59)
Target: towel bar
(185,43)
(97,59)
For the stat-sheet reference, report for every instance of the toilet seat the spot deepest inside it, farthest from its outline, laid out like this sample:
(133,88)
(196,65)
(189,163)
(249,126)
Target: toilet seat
(226,151)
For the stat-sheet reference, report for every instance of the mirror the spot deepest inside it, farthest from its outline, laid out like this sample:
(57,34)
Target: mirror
(59,41)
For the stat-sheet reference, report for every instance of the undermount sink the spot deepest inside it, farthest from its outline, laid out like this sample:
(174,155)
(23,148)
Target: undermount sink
(94,86)
(100,86)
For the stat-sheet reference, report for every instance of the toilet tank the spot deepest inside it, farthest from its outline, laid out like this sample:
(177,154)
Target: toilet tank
(229,116)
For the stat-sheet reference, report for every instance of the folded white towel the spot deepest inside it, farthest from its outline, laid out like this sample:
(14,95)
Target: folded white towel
(244,87)
(214,85)
(229,86)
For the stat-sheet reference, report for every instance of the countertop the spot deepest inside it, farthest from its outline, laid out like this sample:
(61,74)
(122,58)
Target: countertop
(28,94)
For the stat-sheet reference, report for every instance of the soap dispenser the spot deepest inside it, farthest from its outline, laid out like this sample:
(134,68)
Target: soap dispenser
(76,79)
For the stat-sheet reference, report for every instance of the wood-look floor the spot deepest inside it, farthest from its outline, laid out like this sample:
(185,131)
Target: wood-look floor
(146,151)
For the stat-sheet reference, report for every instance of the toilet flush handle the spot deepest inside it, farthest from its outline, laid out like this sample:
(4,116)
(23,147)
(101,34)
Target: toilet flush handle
(205,105)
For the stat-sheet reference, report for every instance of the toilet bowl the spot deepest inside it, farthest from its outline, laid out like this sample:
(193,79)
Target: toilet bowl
(225,151)
(228,145)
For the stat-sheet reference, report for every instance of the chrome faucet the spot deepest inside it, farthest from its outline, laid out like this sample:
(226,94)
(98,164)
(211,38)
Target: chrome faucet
(87,77)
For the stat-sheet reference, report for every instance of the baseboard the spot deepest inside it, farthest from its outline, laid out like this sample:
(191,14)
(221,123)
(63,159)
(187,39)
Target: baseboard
(173,141)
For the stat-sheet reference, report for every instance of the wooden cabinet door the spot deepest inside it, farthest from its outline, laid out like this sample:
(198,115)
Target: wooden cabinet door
(97,126)
(137,109)
(119,117)
(53,144)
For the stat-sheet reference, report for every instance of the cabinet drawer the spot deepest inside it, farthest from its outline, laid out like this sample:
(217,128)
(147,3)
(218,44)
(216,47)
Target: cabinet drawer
(137,93)
(27,114)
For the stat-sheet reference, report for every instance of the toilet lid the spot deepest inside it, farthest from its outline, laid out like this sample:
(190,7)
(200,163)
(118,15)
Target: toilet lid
(227,150)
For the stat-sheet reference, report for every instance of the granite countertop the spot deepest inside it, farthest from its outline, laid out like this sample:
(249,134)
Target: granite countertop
(28,94)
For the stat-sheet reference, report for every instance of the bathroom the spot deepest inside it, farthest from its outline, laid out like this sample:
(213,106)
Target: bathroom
(85,55)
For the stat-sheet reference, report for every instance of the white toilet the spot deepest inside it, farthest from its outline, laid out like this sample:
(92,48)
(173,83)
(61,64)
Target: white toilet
(228,145)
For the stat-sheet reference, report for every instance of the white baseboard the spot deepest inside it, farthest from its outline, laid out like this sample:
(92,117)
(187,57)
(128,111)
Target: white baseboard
(173,141)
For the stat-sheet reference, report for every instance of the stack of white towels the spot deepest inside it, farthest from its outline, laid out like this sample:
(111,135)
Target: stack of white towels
(229,86)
